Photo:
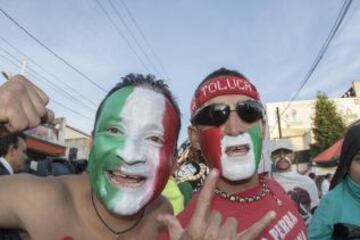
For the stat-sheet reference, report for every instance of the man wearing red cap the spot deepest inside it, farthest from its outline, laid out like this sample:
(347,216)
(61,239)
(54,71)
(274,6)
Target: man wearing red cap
(227,126)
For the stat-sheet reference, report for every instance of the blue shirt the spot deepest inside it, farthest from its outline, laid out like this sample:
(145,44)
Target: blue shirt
(340,205)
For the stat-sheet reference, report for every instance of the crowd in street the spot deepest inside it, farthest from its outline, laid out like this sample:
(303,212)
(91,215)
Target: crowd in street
(138,185)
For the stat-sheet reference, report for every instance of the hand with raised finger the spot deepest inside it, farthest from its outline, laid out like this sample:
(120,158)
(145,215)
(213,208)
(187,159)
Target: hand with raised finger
(213,226)
(257,228)
(201,218)
(22,105)
(228,229)
(176,231)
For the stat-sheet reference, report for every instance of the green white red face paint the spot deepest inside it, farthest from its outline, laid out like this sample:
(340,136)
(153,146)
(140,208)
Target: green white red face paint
(237,157)
(134,143)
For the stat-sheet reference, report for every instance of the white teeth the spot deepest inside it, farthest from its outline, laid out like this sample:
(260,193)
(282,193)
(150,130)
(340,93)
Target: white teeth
(115,173)
(237,148)
(122,175)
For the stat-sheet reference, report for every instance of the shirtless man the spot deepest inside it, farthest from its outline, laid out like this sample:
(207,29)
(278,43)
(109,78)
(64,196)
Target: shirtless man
(134,144)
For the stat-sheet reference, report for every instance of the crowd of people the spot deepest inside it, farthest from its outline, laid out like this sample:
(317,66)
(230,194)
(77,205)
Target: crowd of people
(137,187)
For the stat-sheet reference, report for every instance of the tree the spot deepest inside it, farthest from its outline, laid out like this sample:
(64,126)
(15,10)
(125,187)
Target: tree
(328,125)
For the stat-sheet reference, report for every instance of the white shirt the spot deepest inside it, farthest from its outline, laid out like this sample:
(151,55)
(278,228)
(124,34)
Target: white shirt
(325,185)
(7,165)
(290,180)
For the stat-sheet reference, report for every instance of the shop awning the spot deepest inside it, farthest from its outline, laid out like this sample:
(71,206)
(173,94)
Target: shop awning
(44,147)
(331,153)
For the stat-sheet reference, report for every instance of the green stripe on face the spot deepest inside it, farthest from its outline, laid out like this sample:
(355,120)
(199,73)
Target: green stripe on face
(115,103)
(256,138)
(103,155)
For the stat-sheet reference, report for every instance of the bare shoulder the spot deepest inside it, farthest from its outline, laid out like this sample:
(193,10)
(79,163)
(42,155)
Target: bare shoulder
(32,188)
(24,197)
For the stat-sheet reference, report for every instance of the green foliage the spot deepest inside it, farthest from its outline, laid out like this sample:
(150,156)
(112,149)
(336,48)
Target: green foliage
(328,124)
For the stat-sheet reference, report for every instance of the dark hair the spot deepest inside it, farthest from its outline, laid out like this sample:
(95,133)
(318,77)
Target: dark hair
(312,175)
(220,72)
(300,196)
(148,82)
(328,175)
(350,147)
(10,140)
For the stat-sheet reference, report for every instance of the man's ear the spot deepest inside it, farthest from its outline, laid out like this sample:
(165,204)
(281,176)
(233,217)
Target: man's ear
(263,128)
(10,152)
(193,134)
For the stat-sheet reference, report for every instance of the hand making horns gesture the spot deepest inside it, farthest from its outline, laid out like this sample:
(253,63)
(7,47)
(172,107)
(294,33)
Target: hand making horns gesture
(207,224)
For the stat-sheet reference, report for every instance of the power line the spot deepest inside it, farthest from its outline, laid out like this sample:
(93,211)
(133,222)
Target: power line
(325,46)
(122,35)
(43,69)
(51,99)
(144,38)
(53,85)
(133,36)
(35,75)
(344,9)
(52,52)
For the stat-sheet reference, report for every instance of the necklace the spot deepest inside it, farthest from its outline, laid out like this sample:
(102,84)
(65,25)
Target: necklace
(116,233)
(265,190)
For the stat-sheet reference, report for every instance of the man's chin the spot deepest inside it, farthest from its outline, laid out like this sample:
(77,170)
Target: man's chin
(128,208)
(238,177)
(237,180)
(127,212)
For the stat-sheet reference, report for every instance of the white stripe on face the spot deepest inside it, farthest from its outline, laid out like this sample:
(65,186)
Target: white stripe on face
(237,157)
(141,118)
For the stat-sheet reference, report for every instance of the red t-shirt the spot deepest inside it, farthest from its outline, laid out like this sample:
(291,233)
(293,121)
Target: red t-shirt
(288,223)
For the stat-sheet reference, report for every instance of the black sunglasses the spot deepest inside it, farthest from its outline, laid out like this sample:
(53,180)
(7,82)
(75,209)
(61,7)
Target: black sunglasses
(216,114)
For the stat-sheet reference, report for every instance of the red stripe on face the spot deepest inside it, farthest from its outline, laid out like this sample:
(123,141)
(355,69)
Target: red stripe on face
(210,143)
(68,238)
(167,152)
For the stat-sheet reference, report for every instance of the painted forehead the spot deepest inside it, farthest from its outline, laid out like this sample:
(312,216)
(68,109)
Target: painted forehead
(138,105)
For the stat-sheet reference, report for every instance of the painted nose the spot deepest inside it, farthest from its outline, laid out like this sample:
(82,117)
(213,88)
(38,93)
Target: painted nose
(131,153)
(234,125)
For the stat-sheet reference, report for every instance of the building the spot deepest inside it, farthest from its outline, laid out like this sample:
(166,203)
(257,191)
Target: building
(78,143)
(295,121)
(44,141)
(57,140)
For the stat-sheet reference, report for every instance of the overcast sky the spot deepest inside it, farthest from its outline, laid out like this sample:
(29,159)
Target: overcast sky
(273,43)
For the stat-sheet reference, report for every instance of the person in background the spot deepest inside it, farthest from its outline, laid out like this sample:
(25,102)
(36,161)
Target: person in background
(282,157)
(179,194)
(191,167)
(12,160)
(337,216)
(312,176)
(12,153)
(325,184)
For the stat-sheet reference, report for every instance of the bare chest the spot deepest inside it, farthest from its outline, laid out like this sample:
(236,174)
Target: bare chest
(72,229)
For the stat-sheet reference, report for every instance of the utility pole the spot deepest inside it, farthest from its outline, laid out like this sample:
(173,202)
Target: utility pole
(23,67)
(6,75)
(278,121)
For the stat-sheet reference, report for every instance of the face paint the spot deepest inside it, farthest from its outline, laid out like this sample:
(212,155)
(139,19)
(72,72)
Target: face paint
(68,238)
(210,146)
(134,142)
(237,157)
